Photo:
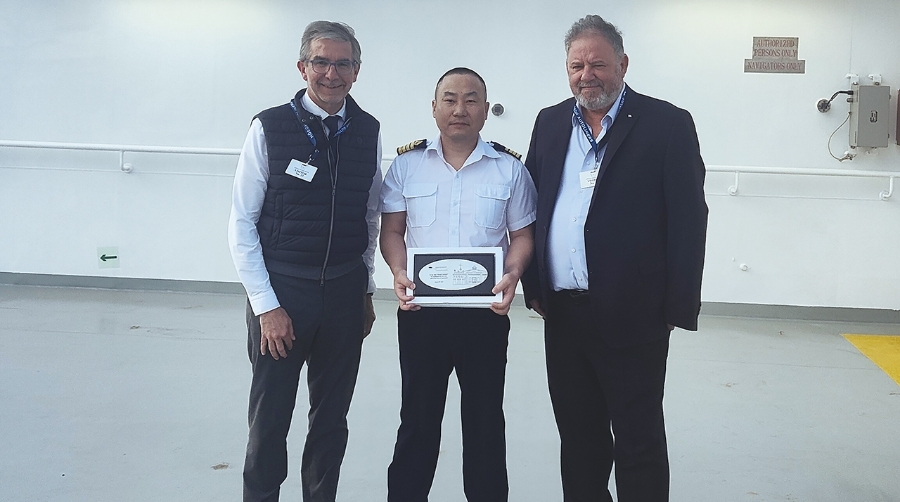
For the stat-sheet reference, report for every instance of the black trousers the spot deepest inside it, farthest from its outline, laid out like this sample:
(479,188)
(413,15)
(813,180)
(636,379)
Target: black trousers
(594,386)
(328,326)
(434,341)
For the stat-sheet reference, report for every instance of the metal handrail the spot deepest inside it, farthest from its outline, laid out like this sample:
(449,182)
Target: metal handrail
(122,149)
(737,170)
(119,148)
(732,190)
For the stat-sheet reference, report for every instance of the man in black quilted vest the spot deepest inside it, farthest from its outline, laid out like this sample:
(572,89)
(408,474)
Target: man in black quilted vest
(302,232)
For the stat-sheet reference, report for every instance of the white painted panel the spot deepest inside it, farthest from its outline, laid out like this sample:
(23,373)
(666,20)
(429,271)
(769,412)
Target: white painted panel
(193,73)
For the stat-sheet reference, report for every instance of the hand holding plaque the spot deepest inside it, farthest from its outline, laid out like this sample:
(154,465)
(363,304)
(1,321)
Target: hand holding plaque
(455,277)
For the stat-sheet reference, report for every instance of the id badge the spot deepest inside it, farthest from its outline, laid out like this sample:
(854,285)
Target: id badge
(589,178)
(301,170)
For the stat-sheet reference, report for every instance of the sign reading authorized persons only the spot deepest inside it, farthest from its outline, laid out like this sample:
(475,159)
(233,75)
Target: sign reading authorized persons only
(775,55)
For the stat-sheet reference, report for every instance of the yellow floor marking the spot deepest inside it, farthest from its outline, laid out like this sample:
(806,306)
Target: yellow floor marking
(882,350)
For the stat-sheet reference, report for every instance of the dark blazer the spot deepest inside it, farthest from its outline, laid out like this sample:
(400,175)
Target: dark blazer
(645,232)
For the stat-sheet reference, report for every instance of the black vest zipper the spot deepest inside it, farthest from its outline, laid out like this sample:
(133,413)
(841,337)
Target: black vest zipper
(333,172)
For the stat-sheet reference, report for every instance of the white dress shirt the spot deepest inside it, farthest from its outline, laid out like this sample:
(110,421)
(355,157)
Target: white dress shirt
(566,261)
(250,181)
(473,207)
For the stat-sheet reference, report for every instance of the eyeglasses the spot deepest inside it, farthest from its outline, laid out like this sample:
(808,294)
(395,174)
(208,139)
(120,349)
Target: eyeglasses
(321,66)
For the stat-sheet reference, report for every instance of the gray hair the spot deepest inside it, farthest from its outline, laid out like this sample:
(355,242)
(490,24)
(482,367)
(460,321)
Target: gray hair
(593,24)
(318,30)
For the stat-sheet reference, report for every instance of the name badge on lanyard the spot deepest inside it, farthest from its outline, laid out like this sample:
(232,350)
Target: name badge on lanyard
(589,178)
(301,170)
(304,170)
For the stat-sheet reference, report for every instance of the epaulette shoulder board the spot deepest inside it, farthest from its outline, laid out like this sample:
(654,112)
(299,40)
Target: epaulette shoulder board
(502,149)
(415,145)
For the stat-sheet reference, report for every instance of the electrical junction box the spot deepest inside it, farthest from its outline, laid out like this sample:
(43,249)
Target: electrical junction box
(870,113)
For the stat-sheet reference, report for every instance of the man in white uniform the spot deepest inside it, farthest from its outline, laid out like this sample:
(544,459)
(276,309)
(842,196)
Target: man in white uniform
(455,191)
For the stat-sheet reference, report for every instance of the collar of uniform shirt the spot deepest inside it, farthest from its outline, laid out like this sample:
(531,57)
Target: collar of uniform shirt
(482,149)
(610,116)
(313,108)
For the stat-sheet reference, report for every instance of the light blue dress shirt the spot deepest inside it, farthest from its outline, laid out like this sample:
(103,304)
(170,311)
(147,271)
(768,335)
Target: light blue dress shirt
(566,260)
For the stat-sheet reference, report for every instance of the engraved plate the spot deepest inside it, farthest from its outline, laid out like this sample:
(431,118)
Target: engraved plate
(453,274)
(455,277)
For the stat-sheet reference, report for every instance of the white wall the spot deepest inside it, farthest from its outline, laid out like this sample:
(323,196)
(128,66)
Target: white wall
(193,73)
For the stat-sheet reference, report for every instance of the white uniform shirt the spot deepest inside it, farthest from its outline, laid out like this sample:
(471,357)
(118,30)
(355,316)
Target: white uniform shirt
(566,261)
(250,181)
(473,207)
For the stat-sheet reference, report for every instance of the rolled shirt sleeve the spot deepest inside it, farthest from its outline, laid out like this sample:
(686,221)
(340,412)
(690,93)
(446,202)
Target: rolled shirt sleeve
(522,208)
(392,200)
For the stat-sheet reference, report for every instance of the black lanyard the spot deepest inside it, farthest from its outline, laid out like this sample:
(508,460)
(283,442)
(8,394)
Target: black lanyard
(312,137)
(595,145)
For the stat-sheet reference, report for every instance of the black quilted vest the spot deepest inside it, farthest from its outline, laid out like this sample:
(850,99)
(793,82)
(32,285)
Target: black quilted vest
(307,229)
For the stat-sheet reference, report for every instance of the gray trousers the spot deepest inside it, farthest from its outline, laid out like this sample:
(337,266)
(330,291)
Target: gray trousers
(328,326)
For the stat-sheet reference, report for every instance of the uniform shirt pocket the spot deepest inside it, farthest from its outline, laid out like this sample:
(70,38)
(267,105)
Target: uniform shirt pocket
(490,205)
(421,203)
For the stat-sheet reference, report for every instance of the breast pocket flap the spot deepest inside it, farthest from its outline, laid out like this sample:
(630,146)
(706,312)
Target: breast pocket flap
(499,192)
(413,190)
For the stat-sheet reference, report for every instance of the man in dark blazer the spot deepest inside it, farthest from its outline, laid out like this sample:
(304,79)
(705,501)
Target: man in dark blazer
(619,246)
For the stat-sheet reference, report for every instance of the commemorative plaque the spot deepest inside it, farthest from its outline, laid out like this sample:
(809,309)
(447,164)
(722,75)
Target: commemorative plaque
(454,277)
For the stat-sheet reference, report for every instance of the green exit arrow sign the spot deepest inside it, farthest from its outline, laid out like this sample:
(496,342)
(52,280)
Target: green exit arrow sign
(108,257)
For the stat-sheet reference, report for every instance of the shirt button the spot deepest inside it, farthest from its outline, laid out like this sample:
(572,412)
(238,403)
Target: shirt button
(573,250)
(574,219)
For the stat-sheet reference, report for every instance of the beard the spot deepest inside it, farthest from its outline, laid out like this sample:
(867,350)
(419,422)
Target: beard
(604,100)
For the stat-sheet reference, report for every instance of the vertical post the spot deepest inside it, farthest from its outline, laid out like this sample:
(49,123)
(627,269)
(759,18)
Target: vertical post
(126,168)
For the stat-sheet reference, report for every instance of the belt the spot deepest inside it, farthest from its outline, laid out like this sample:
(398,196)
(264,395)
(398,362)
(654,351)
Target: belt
(574,294)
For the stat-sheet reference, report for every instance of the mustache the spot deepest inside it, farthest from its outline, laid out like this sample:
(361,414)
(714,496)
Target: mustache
(593,83)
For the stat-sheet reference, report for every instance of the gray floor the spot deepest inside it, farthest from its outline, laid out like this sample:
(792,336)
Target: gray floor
(140,396)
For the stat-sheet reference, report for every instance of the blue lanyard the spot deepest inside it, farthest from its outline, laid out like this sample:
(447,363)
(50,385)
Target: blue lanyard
(595,146)
(311,136)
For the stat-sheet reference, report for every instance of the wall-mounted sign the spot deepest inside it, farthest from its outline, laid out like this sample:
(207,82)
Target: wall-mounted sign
(775,55)
(108,257)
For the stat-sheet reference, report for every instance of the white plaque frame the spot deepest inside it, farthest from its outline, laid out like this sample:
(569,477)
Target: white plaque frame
(428,296)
